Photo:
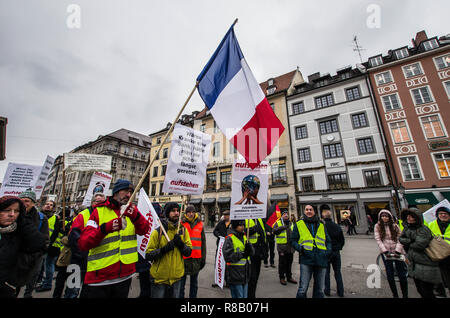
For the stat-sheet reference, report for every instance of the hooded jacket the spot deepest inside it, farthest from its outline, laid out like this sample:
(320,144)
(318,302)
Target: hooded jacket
(415,239)
(389,243)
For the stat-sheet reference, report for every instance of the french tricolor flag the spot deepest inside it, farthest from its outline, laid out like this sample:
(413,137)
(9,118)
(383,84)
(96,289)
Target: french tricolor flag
(237,102)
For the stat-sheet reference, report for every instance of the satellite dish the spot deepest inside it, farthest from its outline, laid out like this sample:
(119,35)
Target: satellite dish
(361,67)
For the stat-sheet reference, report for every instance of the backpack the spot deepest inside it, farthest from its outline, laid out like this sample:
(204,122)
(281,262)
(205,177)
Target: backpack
(41,217)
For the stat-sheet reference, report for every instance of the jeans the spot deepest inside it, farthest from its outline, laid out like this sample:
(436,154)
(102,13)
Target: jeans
(49,270)
(193,286)
(335,261)
(239,291)
(308,271)
(166,291)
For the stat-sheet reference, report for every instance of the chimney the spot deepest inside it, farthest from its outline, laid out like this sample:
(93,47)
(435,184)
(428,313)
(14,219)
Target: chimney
(420,37)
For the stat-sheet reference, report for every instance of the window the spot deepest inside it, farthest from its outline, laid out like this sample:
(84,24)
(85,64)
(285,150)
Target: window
(163,170)
(412,70)
(216,128)
(153,191)
(400,132)
(165,153)
(124,164)
(391,102)
(332,151)
(430,44)
(410,168)
(279,175)
(202,128)
(359,120)
(337,181)
(301,132)
(373,178)
(211,180)
(442,61)
(298,108)
(375,61)
(402,53)
(443,164)
(421,95)
(155,172)
(303,155)
(383,78)
(271,90)
(161,188)
(216,150)
(328,126)
(324,101)
(270,82)
(135,153)
(307,184)
(225,179)
(447,88)
(272,105)
(113,162)
(158,140)
(232,149)
(432,126)
(126,150)
(365,145)
(352,93)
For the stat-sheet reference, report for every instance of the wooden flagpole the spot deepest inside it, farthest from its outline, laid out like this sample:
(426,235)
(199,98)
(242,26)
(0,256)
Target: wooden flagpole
(63,197)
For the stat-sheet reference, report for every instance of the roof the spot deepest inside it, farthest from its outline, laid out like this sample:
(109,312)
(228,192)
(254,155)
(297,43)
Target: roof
(132,137)
(281,83)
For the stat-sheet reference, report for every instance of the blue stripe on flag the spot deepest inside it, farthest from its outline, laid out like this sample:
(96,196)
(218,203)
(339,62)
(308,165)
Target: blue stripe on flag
(220,69)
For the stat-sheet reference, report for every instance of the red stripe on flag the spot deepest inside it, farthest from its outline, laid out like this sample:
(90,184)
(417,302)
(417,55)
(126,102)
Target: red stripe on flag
(256,140)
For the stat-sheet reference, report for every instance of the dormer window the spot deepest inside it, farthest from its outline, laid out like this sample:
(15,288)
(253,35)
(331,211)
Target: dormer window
(402,53)
(270,82)
(430,44)
(271,90)
(375,61)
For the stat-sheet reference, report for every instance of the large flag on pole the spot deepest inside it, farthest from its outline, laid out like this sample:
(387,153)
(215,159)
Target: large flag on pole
(237,102)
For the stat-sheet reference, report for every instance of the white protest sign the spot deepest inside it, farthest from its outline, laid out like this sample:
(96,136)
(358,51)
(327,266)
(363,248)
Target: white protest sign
(148,211)
(45,171)
(18,178)
(87,162)
(186,169)
(219,276)
(430,215)
(249,191)
(100,182)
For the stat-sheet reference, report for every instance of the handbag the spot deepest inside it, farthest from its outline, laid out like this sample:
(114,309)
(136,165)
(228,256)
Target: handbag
(65,255)
(438,249)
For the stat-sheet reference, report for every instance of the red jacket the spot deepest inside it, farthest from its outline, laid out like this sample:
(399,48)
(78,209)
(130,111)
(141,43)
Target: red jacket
(92,235)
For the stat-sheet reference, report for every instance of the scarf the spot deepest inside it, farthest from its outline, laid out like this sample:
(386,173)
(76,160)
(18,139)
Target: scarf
(9,229)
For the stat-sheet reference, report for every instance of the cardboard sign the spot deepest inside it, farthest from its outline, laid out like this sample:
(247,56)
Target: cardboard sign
(86,162)
(430,215)
(45,171)
(100,182)
(18,178)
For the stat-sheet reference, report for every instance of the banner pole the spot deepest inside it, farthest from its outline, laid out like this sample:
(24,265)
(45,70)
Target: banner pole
(139,185)
(63,197)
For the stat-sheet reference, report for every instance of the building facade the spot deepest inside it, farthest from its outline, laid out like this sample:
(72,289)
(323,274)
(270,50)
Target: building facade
(337,147)
(411,86)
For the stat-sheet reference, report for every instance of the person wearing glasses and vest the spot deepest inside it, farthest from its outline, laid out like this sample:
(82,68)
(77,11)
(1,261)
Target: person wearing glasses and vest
(282,230)
(258,239)
(311,240)
(194,263)
(237,251)
(111,241)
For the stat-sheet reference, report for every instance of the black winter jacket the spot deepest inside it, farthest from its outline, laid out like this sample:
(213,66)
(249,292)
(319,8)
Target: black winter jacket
(336,235)
(236,275)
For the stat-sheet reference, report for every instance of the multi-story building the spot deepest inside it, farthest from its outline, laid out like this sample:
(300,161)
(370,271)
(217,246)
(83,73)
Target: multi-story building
(337,148)
(130,154)
(411,86)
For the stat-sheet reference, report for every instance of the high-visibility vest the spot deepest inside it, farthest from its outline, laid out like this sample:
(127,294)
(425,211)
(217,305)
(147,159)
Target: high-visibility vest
(51,228)
(195,234)
(307,241)
(281,238)
(86,214)
(254,237)
(434,227)
(116,246)
(400,225)
(238,246)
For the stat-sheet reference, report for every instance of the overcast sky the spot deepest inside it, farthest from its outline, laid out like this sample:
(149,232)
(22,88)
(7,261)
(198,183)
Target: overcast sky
(131,64)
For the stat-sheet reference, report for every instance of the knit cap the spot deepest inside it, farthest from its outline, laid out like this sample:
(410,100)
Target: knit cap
(28,194)
(122,184)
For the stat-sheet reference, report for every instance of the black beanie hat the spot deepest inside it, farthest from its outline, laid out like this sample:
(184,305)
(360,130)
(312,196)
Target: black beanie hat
(169,207)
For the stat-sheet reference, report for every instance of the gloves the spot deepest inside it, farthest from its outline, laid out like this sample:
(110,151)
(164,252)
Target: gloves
(168,247)
(247,250)
(178,241)
(131,211)
(111,226)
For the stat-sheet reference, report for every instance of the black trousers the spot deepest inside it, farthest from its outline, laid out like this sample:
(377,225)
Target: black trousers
(271,256)
(285,265)
(425,289)
(255,269)
(119,290)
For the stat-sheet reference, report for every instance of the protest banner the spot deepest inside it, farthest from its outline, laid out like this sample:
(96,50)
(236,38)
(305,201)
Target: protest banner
(100,182)
(45,171)
(186,169)
(249,190)
(147,211)
(18,178)
(87,162)
(219,276)
(430,215)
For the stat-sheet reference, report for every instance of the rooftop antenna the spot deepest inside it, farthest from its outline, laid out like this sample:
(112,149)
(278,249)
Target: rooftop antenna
(358,48)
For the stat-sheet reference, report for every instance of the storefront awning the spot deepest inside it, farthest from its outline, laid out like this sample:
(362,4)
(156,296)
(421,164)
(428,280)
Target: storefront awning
(224,200)
(195,201)
(421,198)
(279,197)
(446,195)
(209,200)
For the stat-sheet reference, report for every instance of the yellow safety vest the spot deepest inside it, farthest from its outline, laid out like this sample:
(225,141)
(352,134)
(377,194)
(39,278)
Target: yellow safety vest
(238,246)
(434,227)
(400,225)
(254,237)
(116,246)
(307,241)
(86,213)
(51,228)
(281,238)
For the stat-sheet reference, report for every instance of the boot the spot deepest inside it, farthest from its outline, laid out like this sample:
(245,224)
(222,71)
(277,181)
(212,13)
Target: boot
(393,288)
(404,287)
